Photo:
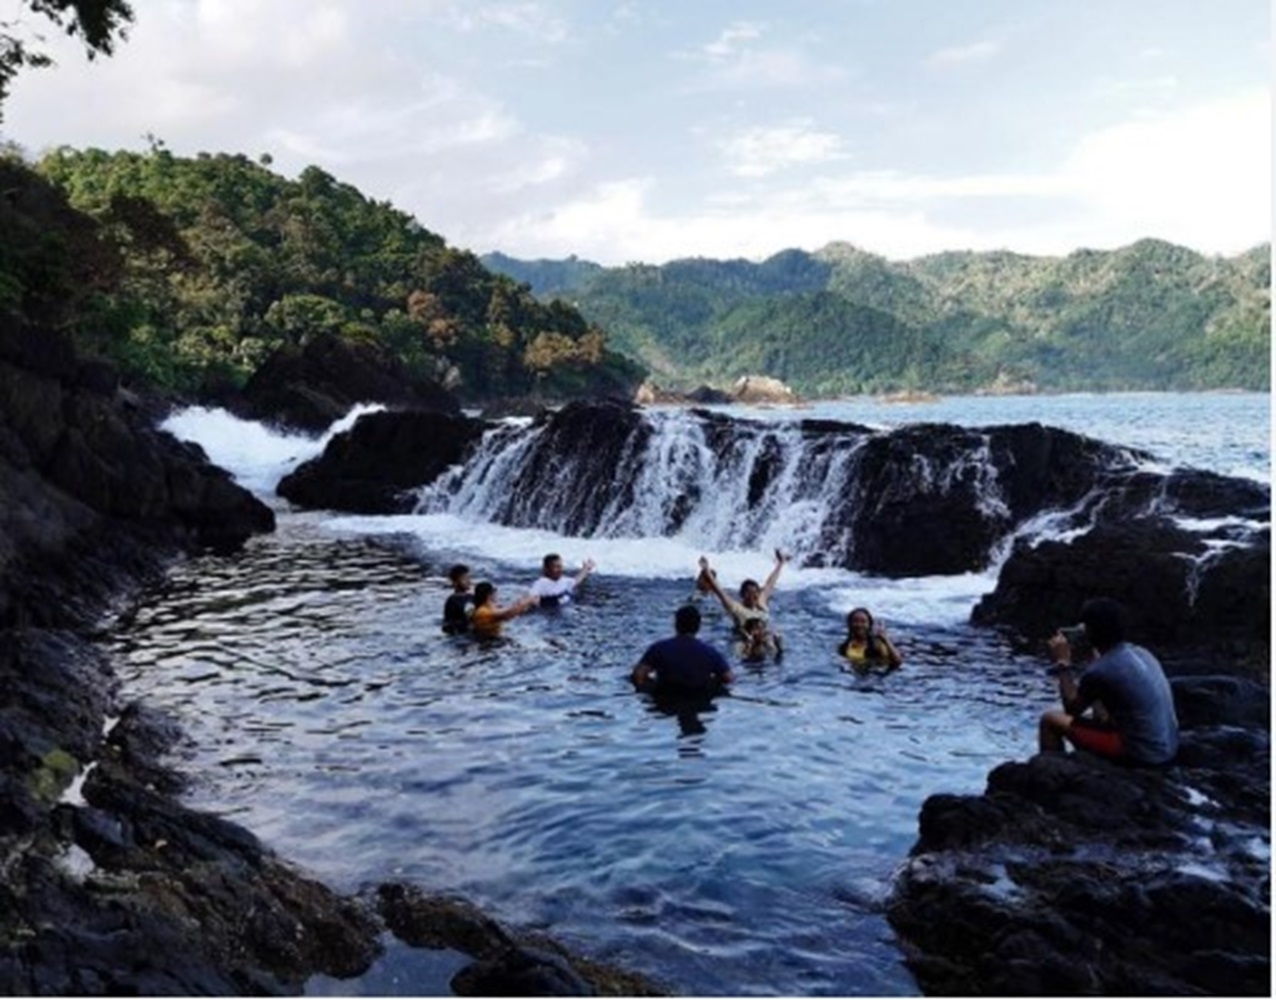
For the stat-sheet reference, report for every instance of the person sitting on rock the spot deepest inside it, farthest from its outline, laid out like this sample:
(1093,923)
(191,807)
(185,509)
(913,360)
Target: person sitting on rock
(867,646)
(487,617)
(754,600)
(1138,724)
(553,589)
(682,665)
(460,603)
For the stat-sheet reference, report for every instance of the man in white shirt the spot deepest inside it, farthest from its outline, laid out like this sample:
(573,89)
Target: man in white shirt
(553,588)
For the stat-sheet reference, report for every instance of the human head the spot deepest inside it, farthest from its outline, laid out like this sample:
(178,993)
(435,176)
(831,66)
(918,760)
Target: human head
(460,576)
(552,565)
(754,627)
(750,592)
(483,592)
(859,618)
(1104,621)
(686,620)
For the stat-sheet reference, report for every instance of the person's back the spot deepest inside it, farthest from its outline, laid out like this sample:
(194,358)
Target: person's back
(456,613)
(682,664)
(459,605)
(1134,690)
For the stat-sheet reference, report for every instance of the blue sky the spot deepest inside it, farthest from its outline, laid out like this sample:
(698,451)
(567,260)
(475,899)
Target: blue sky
(647,131)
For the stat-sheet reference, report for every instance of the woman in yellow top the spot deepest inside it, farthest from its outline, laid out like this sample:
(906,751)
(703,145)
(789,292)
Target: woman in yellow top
(866,644)
(486,620)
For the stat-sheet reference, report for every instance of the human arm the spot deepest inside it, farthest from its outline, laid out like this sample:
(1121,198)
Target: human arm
(586,568)
(710,579)
(768,588)
(522,605)
(643,676)
(1074,702)
(891,654)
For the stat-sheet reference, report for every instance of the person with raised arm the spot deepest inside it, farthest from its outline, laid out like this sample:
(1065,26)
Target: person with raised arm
(867,646)
(754,601)
(487,617)
(553,589)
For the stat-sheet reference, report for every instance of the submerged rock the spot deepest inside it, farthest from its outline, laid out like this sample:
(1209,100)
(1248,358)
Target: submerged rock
(1072,875)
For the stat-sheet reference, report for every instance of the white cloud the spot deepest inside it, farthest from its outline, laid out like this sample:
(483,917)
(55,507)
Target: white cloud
(530,19)
(1200,177)
(761,151)
(962,54)
(728,43)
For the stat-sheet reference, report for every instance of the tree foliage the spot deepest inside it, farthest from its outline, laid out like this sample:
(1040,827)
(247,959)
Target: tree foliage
(1148,316)
(222,261)
(97,22)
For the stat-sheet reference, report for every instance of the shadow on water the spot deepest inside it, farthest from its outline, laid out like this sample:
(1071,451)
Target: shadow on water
(740,846)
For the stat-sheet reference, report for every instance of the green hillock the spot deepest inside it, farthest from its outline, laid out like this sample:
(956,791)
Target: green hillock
(189,271)
(1148,316)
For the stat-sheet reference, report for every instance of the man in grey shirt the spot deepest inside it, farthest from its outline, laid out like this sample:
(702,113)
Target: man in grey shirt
(1132,706)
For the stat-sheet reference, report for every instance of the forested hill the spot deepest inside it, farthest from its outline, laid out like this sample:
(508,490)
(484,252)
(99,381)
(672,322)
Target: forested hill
(1148,316)
(188,272)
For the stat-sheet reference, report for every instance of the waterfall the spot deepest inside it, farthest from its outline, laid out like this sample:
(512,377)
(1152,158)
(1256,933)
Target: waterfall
(715,483)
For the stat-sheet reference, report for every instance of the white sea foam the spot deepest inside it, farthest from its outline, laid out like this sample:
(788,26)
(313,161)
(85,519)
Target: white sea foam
(256,455)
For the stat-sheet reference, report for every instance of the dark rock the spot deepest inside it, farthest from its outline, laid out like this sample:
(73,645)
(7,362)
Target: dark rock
(370,468)
(312,386)
(1074,875)
(521,972)
(432,921)
(1202,607)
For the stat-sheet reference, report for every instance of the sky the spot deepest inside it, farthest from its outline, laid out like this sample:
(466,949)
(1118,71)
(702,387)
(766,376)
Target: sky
(648,131)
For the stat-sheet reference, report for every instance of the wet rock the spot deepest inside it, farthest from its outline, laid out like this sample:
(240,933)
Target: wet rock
(312,386)
(373,467)
(1203,603)
(509,963)
(1074,875)
(521,972)
(92,497)
(434,921)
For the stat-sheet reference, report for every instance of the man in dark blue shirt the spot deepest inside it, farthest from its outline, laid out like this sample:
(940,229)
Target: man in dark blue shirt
(682,664)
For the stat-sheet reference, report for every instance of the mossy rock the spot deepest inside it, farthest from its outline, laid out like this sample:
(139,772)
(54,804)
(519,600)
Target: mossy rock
(57,770)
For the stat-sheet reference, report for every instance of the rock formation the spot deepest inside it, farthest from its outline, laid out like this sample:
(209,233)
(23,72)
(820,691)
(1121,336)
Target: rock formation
(109,886)
(1073,876)
(311,387)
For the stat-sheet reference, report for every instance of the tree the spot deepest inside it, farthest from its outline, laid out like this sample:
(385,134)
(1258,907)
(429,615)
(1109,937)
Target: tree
(97,22)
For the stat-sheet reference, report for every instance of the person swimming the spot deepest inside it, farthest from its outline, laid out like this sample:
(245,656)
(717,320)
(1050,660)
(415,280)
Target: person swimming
(754,601)
(867,645)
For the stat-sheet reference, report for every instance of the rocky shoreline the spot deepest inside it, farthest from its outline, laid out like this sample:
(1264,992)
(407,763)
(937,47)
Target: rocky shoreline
(108,884)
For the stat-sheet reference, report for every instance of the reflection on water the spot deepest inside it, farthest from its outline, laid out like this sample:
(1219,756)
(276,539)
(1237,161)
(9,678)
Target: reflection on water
(739,847)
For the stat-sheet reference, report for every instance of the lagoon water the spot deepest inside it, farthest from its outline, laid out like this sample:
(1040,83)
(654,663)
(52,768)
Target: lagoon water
(742,850)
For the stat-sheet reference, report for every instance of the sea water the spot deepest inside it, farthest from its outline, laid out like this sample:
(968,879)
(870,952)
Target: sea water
(746,849)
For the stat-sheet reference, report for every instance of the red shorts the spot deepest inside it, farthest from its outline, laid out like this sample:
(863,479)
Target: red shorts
(1097,738)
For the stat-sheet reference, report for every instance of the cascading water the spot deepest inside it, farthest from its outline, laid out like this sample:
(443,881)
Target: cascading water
(714,484)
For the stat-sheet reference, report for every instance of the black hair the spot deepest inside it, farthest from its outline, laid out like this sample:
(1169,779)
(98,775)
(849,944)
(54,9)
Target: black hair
(1104,621)
(872,645)
(551,557)
(747,584)
(686,620)
(482,591)
(457,571)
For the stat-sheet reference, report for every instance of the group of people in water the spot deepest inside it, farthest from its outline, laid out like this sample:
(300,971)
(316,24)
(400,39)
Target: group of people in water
(474,609)
(1118,704)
